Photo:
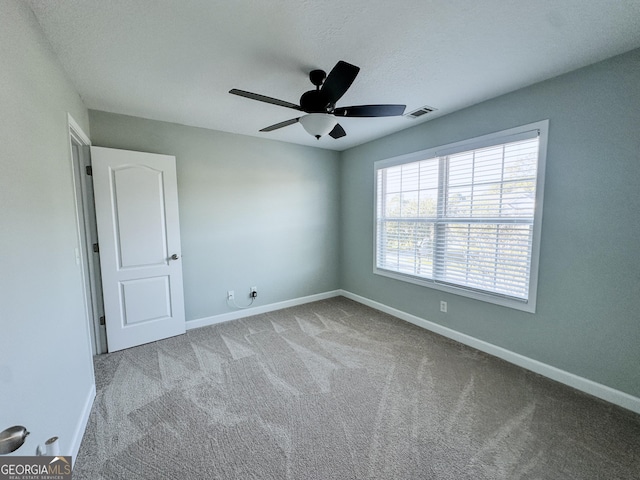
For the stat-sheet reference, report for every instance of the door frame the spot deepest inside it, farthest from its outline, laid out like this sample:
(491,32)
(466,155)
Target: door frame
(85,222)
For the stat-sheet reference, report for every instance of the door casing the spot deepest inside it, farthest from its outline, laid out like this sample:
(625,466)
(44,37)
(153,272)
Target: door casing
(86,258)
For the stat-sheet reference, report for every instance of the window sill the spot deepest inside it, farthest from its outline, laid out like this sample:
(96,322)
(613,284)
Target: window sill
(516,304)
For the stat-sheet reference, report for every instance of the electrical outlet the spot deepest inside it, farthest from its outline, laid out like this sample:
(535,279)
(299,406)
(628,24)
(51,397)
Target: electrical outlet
(230,295)
(443,306)
(254,292)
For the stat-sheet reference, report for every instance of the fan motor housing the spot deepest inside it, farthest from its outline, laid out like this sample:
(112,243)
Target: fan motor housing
(315,101)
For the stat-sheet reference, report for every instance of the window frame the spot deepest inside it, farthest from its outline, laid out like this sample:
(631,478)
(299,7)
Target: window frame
(496,138)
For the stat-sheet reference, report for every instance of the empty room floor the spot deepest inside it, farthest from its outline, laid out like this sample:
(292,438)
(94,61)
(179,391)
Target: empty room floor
(337,390)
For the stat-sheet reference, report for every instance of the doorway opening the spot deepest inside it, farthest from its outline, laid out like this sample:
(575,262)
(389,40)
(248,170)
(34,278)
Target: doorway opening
(88,250)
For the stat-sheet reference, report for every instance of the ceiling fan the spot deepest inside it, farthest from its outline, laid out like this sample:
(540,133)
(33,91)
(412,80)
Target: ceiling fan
(320,104)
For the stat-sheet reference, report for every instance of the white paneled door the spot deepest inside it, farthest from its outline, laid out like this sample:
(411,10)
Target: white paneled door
(136,198)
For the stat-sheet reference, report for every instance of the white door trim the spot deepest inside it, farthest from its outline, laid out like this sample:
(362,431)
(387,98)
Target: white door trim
(91,288)
(74,129)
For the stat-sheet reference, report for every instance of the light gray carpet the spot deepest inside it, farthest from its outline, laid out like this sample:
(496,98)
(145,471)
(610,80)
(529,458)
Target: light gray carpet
(335,390)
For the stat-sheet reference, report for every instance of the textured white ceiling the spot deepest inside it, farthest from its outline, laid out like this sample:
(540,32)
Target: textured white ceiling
(176,60)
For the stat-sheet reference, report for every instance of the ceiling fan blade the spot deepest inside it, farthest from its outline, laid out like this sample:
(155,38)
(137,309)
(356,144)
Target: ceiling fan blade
(263,98)
(339,80)
(370,111)
(280,125)
(337,132)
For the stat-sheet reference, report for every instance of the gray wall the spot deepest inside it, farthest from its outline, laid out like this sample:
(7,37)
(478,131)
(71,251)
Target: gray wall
(46,373)
(588,314)
(253,212)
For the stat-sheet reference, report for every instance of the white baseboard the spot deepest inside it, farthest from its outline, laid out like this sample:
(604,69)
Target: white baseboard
(82,424)
(580,383)
(247,312)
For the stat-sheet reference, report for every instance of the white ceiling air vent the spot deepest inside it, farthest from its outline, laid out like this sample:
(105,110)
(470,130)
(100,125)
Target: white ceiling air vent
(420,112)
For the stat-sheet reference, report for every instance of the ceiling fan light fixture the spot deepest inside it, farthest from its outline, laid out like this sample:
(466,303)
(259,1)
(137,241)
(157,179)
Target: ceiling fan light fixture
(318,124)
(320,104)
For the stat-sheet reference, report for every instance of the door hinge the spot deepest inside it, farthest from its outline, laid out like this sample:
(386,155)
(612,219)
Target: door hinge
(89,170)
(102,321)
(96,248)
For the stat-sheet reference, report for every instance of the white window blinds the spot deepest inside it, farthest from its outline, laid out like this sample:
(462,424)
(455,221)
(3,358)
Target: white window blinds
(462,218)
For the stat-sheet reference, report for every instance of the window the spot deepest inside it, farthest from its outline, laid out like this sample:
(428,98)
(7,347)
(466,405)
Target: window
(465,217)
